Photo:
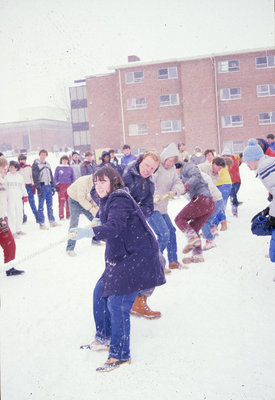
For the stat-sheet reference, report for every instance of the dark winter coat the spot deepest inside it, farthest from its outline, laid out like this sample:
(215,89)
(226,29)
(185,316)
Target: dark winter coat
(88,168)
(193,182)
(132,252)
(42,174)
(272,247)
(141,189)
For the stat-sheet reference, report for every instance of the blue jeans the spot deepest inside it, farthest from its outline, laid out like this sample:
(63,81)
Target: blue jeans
(112,320)
(76,209)
(166,234)
(46,195)
(225,191)
(206,228)
(233,197)
(31,201)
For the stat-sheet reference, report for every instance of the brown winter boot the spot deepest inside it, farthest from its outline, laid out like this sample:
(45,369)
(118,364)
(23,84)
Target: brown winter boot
(141,309)
(224,225)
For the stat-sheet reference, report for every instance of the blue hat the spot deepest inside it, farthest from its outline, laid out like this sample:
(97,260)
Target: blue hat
(253,151)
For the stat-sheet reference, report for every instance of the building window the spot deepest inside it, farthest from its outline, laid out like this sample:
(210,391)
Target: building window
(169,100)
(231,121)
(265,62)
(235,146)
(171,126)
(168,73)
(134,77)
(229,66)
(78,93)
(267,118)
(81,138)
(266,90)
(138,129)
(79,115)
(135,103)
(230,93)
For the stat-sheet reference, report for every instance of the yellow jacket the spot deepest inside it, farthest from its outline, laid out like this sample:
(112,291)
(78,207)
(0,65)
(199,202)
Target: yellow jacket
(80,192)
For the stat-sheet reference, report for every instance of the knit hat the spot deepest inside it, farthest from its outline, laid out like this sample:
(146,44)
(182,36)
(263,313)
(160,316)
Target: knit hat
(226,152)
(253,151)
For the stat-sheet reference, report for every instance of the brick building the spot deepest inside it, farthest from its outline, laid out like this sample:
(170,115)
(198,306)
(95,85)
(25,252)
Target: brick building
(211,101)
(35,135)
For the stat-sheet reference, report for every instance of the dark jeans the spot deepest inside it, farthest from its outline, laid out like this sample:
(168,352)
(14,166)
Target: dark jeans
(112,320)
(76,209)
(31,201)
(166,233)
(46,195)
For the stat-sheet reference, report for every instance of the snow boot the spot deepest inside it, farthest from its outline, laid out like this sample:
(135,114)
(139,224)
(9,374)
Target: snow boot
(209,244)
(193,259)
(224,225)
(13,271)
(167,271)
(111,364)
(193,242)
(174,265)
(95,346)
(141,309)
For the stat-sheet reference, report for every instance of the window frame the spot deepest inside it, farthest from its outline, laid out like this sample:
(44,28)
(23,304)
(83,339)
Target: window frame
(169,103)
(172,125)
(268,91)
(169,74)
(266,64)
(232,123)
(139,131)
(271,119)
(135,105)
(229,68)
(230,96)
(134,79)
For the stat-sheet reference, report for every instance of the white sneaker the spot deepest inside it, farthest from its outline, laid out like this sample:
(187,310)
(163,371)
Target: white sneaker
(71,253)
(209,244)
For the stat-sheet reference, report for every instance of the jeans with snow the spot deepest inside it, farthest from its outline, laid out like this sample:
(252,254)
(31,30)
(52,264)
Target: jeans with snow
(225,191)
(206,228)
(166,234)
(233,197)
(46,195)
(31,201)
(112,320)
(75,210)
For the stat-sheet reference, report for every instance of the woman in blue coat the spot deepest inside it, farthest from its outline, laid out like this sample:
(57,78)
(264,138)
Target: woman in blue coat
(132,264)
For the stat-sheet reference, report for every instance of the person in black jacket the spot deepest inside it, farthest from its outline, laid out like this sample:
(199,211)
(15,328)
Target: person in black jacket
(44,184)
(137,177)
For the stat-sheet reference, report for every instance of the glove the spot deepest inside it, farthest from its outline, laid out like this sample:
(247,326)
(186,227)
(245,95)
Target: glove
(270,197)
(53,190)
(3,225)
(57,189)
(171,194)
(96,222)
(25,199)
(80,233)
(33,189)
(271,222)
(263,213)
(39,191)
(157,198)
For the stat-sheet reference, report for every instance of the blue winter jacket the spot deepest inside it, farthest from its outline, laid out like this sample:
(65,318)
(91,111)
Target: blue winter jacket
(141,189)
(132,261)
(272,247)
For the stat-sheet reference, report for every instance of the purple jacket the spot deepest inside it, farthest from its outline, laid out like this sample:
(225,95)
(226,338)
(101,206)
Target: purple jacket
(63,175)
(132,261)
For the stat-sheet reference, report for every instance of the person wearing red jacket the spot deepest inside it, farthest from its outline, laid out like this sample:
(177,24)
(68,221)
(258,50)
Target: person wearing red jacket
(236,181)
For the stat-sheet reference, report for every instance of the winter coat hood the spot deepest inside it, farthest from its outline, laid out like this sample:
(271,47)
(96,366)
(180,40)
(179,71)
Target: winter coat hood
(170,151)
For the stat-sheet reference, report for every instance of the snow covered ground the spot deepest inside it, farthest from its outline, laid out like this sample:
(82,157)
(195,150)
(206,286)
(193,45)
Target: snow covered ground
(214,341)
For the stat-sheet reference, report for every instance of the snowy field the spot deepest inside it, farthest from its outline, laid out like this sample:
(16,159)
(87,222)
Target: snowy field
(215,340)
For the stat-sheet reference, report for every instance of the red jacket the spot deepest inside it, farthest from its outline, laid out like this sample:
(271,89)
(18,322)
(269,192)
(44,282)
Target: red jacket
(234,171)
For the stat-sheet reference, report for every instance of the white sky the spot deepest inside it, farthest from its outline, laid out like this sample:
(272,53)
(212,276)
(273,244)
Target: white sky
(46,45)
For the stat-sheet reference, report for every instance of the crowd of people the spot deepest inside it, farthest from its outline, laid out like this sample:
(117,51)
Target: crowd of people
(127,206)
